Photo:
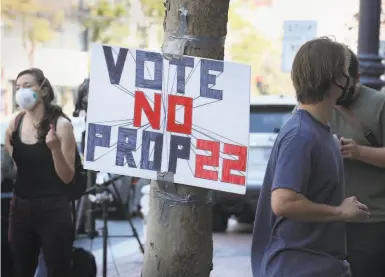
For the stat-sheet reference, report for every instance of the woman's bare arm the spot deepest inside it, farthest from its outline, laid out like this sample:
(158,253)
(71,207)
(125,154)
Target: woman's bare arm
(64,157)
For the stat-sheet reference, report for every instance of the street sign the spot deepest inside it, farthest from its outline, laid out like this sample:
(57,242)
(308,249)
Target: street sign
(295,33)
(149,114)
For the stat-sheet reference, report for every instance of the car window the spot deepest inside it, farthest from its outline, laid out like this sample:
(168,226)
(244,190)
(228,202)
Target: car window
(269,119)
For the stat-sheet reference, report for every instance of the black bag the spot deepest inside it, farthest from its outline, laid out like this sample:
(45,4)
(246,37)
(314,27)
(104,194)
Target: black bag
(79,184)
(354,122)
(83,263)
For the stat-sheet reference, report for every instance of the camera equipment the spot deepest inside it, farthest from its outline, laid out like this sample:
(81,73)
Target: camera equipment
(102,194)
(85,218)
(88,225)
(99,193)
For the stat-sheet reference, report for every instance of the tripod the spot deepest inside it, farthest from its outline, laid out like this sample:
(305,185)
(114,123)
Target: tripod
(85,208)
(103,197)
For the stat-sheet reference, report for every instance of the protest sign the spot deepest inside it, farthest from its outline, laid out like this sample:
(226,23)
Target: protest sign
(148,114)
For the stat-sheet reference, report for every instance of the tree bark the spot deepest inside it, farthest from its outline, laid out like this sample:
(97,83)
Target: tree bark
(184,247)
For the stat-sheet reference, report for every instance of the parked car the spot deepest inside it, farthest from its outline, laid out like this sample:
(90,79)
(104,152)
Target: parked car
(267,115)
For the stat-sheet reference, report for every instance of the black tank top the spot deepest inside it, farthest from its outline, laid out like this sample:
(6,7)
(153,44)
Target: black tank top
(36,175)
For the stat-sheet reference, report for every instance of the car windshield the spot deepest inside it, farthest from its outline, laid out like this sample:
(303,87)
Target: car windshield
(269,118)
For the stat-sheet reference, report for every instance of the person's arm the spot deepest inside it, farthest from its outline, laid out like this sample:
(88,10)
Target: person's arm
(291,180)
(8,136)
(288,203)
(64,153)
(372,155)
(7,165)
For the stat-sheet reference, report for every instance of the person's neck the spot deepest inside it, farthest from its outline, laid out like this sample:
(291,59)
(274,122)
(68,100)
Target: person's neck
(36,114)
(321,111)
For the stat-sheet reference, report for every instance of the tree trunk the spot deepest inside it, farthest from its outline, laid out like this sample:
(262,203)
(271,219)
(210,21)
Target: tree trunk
(184,247)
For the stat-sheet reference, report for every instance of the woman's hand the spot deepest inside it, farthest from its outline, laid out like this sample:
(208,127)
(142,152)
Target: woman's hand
(52,140)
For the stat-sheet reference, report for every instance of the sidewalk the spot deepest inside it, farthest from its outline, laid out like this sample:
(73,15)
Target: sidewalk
(132,266)
(231,251)
(126,266)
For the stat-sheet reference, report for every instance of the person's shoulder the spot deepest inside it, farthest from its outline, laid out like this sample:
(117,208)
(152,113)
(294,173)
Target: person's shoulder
(63,124)
(296,126)
(13,118)
(371,93)
(372,98)
(295,134)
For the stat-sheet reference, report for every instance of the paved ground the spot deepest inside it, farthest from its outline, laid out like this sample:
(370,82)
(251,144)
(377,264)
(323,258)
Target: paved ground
(125,259)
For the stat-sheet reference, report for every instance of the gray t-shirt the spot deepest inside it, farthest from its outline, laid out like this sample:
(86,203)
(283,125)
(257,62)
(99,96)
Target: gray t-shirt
(306,159)
(365,181)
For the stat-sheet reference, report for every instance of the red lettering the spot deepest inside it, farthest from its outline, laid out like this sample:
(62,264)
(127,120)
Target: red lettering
(202,160)
(153,115)
(238,165)
(186,126)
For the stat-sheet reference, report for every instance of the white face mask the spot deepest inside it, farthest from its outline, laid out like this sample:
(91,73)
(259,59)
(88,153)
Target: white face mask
(26,98)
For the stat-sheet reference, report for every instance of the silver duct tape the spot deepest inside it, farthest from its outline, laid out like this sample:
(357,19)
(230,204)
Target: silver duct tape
(169,197)
(175,44)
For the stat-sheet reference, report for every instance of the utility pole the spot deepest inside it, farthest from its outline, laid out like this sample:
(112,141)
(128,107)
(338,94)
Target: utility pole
(371,66)
(181,245)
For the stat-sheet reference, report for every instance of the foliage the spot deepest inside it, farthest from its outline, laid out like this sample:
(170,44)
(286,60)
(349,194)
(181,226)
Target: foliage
(250,47)
(105,22)
(38,23)
(151,27)
(153,9)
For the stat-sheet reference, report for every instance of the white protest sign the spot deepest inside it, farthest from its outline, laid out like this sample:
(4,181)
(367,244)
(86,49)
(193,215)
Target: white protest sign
(295,34)
(147,114)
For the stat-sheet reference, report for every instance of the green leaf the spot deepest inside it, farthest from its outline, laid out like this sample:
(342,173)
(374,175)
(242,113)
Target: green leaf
(105,22)
(250,47)
(38,22)
(153,9)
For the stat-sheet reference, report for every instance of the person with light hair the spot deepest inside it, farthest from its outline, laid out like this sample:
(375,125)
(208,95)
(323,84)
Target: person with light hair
(299,228)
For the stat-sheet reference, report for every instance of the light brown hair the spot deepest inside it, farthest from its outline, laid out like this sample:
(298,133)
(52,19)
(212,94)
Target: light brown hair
(317,64)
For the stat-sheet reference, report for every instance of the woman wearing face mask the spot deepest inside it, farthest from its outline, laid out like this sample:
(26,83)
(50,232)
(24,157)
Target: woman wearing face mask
(42,144)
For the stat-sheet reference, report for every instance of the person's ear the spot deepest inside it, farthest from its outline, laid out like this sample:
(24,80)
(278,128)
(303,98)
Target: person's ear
(44,92)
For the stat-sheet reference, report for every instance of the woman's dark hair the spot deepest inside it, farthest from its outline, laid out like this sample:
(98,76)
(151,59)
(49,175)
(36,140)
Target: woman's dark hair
(354,65)
(52,112)
(82,97)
